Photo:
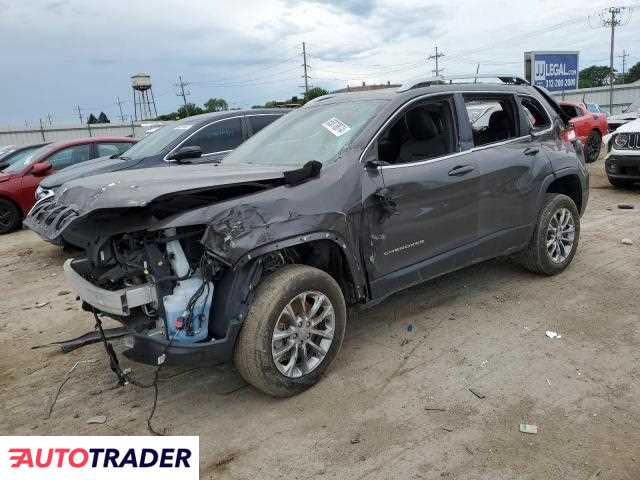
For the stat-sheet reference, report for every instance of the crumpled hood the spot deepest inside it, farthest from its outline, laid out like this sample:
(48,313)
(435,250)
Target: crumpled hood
(137,188)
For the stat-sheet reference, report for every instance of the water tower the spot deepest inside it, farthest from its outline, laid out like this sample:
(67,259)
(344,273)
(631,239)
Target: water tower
(143,100)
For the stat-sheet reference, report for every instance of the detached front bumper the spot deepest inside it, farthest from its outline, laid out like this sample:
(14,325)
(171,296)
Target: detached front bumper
(144,347)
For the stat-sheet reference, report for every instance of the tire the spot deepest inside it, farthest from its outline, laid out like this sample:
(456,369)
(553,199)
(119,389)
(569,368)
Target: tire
(593,146)
(10,217)
(626,184)
(256,348)
(536,257)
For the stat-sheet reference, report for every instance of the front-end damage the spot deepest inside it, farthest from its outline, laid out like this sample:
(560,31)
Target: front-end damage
(178,270)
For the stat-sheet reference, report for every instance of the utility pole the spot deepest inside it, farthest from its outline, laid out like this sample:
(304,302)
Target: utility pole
(119,103)
(436,57)
(611,19)
(182,92)
(475,79)
(42,131)
(80,114)
(305,65)
(624,56)
(50,119)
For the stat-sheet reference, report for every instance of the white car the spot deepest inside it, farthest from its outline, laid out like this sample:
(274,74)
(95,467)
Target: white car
(622,163)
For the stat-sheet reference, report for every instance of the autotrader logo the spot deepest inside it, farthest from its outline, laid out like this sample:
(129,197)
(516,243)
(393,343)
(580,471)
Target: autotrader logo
(71,458)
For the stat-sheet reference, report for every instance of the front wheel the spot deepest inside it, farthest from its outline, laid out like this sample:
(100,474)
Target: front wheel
(10,217)
(293,331)
(592,147)
(555,237)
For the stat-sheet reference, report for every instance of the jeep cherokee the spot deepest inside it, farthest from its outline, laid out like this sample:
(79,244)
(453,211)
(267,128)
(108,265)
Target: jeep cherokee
(338,204)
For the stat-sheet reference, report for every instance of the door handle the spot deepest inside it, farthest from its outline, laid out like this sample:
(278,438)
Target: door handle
(531,151)
(460,170)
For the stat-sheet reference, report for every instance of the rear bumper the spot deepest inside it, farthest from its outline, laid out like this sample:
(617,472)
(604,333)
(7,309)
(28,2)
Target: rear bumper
(144,348)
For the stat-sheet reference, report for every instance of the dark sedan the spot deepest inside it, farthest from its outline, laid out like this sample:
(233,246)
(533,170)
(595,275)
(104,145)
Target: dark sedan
(198,139)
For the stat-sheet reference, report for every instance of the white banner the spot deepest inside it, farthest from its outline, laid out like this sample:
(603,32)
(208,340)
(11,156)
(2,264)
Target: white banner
(98,458)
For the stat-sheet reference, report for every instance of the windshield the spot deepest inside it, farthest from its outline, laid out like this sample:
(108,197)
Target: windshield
(26,160)
(319,132)
(155,143)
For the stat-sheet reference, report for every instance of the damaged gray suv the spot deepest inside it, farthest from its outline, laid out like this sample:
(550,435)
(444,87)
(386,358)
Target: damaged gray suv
(336,205)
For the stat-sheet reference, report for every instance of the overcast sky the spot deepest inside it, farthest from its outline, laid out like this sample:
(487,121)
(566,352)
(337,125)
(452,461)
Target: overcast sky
(56,54)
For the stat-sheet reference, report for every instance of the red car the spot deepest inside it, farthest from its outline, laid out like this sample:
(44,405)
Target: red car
(18,182)
(590,125)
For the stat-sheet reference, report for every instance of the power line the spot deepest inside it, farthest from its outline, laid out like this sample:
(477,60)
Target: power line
(611,18)
(305,66)
(624,62)
(182,93)
(436,57)
(119,103)
(80,114)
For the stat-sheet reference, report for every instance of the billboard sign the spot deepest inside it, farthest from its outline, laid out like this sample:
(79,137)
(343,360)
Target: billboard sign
(555,71)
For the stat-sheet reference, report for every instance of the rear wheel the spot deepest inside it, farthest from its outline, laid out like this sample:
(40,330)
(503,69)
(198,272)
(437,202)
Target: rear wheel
(10,217)
(555,237)
(617,183)
(293,331)
(592,147)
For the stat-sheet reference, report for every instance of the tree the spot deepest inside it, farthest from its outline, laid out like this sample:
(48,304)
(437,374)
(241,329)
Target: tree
(315,92)
(168,117)
(92,119)
(216,105)
(189,110)
(633,74)
(595,76)
(102,118)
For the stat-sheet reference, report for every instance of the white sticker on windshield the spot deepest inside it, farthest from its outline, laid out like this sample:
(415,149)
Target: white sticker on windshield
(336,127)
(183,127)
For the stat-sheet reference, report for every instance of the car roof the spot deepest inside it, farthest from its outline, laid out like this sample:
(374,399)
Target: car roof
(81,141)
(392,94)
(208,117)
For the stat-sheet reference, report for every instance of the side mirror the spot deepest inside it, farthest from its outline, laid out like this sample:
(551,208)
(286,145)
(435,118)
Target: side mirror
(185,153)
(38,169)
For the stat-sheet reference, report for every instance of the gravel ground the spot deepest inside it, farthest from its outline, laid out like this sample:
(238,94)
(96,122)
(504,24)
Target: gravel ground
(397,402)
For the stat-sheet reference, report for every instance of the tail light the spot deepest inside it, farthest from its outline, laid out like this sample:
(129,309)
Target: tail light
(568,134)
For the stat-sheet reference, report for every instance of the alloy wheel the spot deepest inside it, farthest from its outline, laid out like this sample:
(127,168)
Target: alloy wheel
(303,334)
(561,233)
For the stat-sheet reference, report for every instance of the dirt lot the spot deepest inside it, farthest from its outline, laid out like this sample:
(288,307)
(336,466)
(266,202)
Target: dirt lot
(396,404)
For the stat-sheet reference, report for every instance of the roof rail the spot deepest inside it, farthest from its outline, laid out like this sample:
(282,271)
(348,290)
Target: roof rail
(442,80)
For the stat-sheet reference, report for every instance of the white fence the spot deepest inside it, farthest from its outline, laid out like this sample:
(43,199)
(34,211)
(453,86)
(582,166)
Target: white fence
(31,136)
(623,96)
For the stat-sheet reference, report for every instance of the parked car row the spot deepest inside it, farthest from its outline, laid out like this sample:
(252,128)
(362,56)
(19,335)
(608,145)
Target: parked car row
(337,204)
(37,171)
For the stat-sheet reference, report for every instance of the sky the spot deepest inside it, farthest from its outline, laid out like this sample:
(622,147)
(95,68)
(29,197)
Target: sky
(58,54)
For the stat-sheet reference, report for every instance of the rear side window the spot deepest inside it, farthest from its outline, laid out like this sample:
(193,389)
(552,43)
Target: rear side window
(492,118)
(70,156)
(217,137)
(258,122)
(538,118)
(108,149)
(570,110)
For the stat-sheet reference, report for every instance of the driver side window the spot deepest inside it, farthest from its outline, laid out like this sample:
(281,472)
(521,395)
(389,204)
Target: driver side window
(70,156)
(423,132)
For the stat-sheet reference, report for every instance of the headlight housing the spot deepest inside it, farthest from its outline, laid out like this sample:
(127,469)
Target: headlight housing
(43,193)
(621,140)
